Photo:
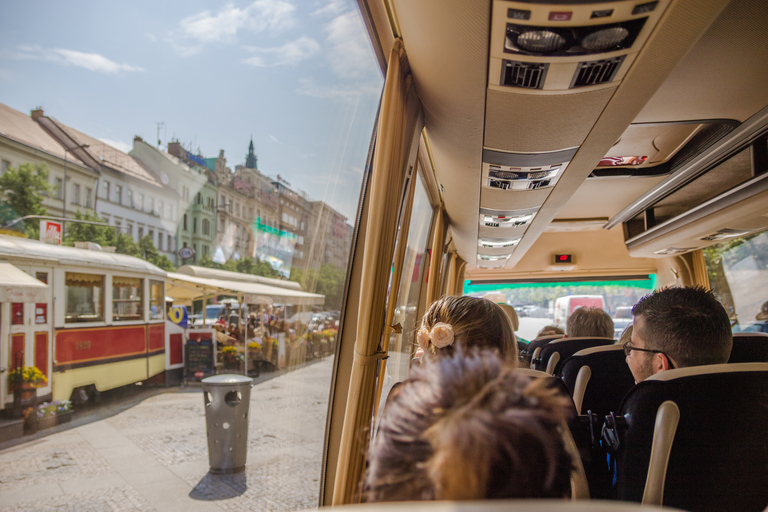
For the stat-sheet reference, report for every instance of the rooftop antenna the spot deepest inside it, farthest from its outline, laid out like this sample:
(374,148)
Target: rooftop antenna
(159,124)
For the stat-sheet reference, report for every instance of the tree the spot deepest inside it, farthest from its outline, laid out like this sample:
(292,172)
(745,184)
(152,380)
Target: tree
(254,266)
(23,189)
(148,252)
(330,282)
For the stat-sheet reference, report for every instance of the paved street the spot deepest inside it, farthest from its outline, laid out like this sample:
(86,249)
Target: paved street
(153,456)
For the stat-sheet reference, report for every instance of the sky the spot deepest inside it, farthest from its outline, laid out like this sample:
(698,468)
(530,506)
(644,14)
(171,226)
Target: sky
(299,76)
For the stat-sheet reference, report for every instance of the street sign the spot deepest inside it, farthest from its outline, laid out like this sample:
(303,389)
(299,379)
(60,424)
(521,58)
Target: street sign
(50,232)
(186,253)
(199,375)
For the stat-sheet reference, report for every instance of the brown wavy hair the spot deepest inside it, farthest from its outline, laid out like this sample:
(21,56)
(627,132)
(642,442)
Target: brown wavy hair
(476,322)
(468,426)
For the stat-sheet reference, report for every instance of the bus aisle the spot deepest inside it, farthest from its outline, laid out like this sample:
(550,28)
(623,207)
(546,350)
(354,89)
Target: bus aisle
(154,456)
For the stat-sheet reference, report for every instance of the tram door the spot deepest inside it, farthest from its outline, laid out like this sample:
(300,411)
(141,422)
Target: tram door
(30,329)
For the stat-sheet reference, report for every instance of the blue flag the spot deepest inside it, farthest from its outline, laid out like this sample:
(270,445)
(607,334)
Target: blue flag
(179,316)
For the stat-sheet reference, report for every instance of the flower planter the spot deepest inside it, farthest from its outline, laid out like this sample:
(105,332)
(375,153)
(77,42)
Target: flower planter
(56,419)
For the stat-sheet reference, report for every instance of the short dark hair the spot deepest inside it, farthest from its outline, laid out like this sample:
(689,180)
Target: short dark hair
(469,426)
(589,322)
(688,324)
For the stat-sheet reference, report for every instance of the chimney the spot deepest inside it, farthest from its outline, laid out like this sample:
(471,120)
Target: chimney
(136,139)
(175,149)
(37,113)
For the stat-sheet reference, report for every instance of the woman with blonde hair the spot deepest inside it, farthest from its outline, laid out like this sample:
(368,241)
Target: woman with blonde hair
(468,321)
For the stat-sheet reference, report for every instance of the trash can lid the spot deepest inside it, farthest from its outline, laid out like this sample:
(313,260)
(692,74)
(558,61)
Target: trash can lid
(227,380)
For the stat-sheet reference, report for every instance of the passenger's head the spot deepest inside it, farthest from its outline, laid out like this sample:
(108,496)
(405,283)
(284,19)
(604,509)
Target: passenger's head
(550,330)
(680,327)
(468,426)
(626,335)
(589,322)
(467,321)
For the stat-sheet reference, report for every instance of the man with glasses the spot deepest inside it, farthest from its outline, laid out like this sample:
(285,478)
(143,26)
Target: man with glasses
(675,328)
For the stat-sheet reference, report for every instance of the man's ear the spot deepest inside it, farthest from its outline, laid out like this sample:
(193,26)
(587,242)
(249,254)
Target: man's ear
(660,363)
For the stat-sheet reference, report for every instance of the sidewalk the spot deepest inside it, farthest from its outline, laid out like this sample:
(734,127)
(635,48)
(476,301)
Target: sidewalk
(153,456)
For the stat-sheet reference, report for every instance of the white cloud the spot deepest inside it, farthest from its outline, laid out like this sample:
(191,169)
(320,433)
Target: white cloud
(350,55)
(274,139)
(331,8)
(286,55)
(224,25)
(90,61)
(122,146)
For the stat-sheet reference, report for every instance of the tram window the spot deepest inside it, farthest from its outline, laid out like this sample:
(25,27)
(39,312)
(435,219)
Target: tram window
(156,299)
(127,298)
(738,274)
(85,297)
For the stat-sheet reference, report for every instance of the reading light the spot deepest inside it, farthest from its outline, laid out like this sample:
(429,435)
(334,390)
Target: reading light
(540,41)
(604,39)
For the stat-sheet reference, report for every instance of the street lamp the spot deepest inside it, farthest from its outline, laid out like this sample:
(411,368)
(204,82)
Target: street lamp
(64,207)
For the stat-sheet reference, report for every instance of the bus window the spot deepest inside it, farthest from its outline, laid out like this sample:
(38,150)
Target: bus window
(127,298)
(551,303)
(736,270)
(85,297)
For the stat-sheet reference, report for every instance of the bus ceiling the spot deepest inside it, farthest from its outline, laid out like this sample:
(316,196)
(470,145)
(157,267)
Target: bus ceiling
(545,124)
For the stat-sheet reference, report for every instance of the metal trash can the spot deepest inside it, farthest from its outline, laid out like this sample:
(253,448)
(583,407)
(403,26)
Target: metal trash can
(227,399)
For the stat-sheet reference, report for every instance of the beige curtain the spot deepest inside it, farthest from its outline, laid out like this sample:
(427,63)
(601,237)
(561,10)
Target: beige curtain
(454,285)
(84,280)
(386,184)
(436,261)
(700,275)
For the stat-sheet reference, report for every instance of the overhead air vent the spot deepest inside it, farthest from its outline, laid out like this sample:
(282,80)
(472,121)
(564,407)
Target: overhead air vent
(498,243)
(596,72)
(522,178)
(493,257)
(529,75)
(506,219)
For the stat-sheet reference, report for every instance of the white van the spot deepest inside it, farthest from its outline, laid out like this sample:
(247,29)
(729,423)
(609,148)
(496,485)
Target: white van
(564,306)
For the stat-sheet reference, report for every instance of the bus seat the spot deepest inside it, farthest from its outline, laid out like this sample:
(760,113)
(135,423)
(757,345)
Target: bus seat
(510,505)
(556,352)
(597,378)
(579,484)
(541,341)
(749,347)
(695,438)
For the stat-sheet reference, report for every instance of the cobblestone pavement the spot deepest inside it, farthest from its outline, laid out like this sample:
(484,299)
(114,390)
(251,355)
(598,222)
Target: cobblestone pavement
(153,456)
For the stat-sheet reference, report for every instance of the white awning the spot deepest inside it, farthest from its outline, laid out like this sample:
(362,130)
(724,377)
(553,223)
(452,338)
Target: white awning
(18,286)
(185,287)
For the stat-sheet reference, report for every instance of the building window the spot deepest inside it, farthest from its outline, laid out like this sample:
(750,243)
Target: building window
(221,224)
(119,194)
(129,194)
(152,204)
(160,208)
(75,194)
(206,227)
(84,299)
(140,204)
(185,222)
(151,235)
(88,193)
(57,184)
(129,229)
(170,243)
(140,233)
(205,250)
(4,166)
(169,212)
(199,198)
(105,190)
(160,240)
(194,225)
(127,298)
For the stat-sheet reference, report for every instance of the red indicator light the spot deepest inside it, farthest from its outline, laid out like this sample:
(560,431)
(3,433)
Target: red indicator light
(563,258)
(560,16)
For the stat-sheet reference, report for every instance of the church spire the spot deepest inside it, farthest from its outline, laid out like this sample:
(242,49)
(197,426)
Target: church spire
(250,160)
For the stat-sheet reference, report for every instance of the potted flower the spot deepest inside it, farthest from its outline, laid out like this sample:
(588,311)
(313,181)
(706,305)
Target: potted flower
(254,348)
(230,357)
(28,379)
(54,413)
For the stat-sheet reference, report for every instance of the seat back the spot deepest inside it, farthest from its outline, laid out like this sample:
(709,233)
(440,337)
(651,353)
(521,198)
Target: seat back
(597,378)
(749,347)
(556,352)
(542,341)
(695,438)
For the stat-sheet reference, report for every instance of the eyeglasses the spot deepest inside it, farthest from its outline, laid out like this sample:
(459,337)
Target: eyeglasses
(629,348)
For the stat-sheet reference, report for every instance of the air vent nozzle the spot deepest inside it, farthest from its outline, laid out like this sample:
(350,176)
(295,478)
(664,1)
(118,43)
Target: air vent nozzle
(596,72)
(506,219)
(528,75)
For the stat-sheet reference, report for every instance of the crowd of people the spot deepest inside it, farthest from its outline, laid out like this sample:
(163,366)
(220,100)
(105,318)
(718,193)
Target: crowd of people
(469,424)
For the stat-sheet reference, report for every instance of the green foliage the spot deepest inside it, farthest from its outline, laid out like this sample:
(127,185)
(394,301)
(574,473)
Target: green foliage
(330,282)
(23,188)
(109,236)
(243,266)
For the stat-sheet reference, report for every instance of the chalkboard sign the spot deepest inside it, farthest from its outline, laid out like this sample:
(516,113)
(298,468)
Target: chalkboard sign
(198,358)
